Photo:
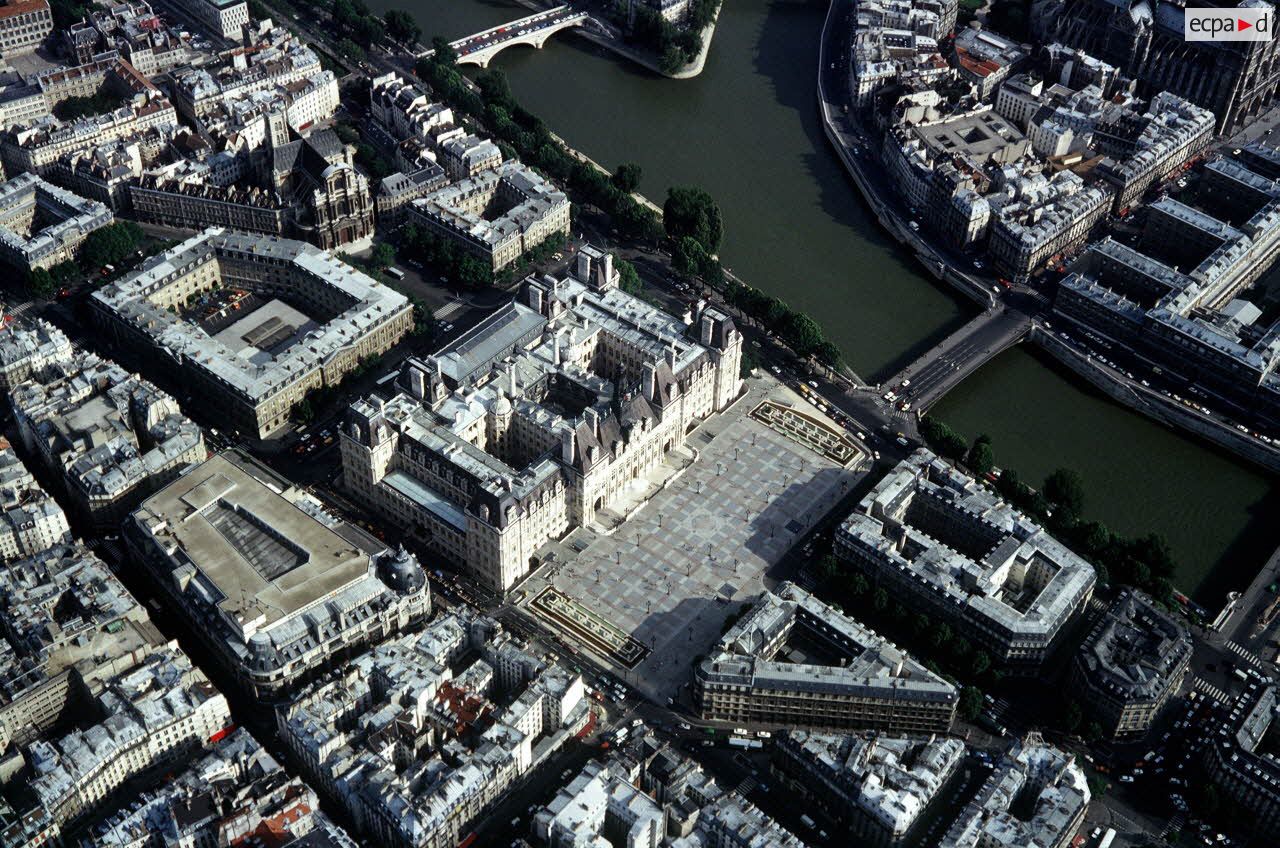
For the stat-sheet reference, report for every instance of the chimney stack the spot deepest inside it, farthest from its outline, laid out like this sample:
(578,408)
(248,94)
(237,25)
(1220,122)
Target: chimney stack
(650,381)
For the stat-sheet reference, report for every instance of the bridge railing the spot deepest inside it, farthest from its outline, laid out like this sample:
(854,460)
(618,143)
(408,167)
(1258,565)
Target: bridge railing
(527,19)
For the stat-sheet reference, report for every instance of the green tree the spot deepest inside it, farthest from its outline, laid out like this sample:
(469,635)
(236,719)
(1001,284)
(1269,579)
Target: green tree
(802,333)
(940,635)
(1009,486)
(369,31)
(776,313)
(628,278)
(348,49)
(303,411)
(383,256)
(858,585)
(494,87)
(981,662)
(980,459)
(828,567)
(693,212)
(401,26)
(711,272)
(1073,716)
(627,178)
(688,257)
(672,60)
(473,274)
(880,599)
(443,53)
(78,107)
(40,283)
(1093,539)
(1065,490)
(946,441)
(111,244)
(828,353)
(970,706)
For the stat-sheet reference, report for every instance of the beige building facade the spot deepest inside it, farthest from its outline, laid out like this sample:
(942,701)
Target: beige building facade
(539,418)
(323,318)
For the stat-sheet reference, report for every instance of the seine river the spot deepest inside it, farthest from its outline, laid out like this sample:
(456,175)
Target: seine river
(747,130)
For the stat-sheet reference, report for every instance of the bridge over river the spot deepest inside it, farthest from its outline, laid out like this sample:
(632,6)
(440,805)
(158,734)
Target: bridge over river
(532,30)
(946,364)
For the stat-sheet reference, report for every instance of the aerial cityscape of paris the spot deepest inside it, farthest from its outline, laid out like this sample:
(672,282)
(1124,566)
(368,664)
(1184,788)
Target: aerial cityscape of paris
(639,424)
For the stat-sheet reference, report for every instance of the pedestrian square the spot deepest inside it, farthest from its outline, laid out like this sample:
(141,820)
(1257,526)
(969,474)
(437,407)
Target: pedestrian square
(670,574)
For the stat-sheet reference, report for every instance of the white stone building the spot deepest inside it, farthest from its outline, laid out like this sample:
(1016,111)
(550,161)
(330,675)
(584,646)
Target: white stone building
(951,549)
(108,435)
(30,519)
(255,375)
(280,587)
(538,418)
(226,18)
(42,225)
(158,713)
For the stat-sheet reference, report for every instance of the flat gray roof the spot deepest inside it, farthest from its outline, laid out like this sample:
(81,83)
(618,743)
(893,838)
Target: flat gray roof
(265,556)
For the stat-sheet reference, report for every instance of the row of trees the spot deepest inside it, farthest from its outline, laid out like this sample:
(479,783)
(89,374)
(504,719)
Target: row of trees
(109,245)
(43,282)
(467,271)
(401,26)
(78,107)
(798,330)
(1145,562)
(692,213)
(691,219)
(382,257)
(358,24)
(367,156)
(314,402)
(523,134)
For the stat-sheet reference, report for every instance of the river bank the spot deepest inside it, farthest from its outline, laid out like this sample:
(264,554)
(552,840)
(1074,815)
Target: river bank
(1144,401)
(641,57)
(749,131)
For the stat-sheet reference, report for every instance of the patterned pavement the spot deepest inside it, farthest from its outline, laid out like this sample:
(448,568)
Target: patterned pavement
(700,548)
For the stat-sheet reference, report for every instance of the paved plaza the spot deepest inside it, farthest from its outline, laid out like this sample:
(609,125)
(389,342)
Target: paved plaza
(653,595)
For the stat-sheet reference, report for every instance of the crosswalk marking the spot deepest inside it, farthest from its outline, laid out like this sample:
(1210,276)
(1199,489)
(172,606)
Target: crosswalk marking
(21,309)
(1173,826)
(449,309)
(1207,688)
(1245,654)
